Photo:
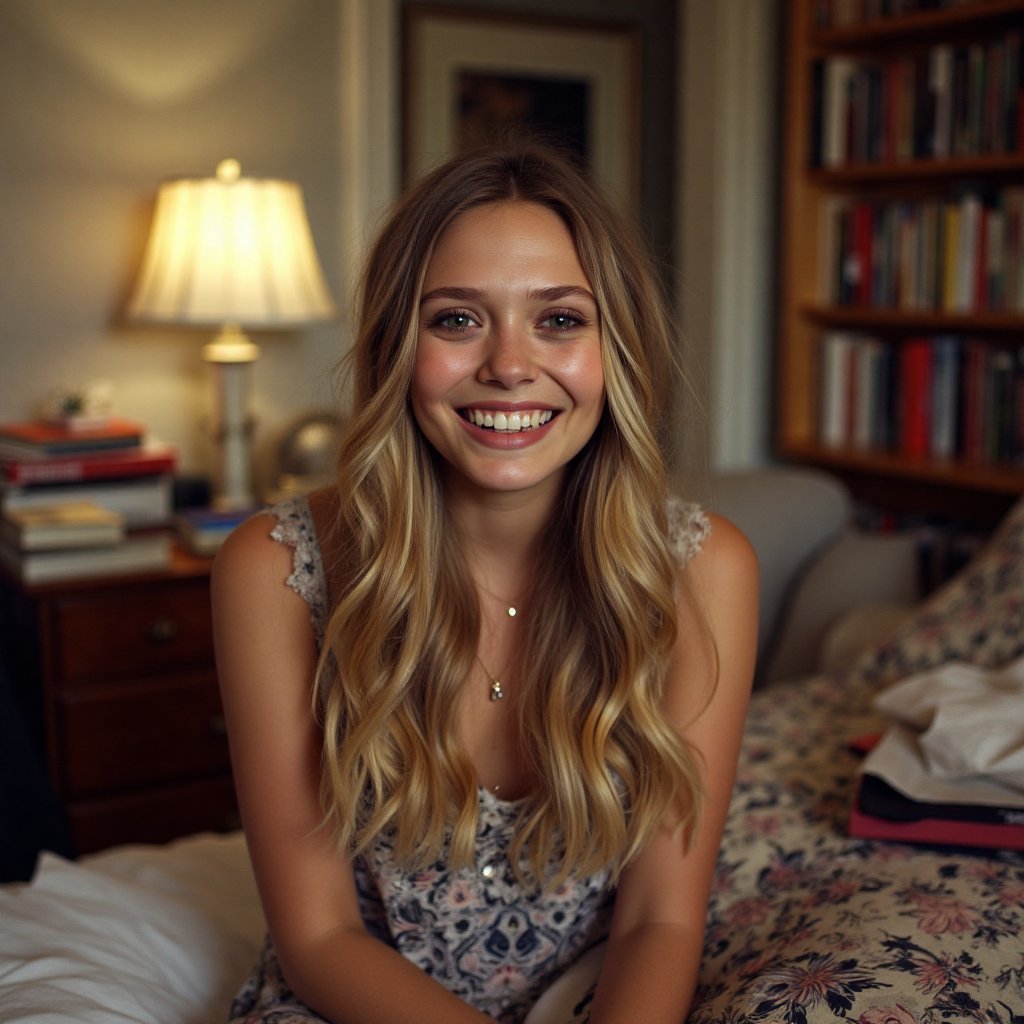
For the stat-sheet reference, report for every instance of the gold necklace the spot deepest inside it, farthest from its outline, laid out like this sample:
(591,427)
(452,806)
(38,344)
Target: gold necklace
(510,609)
(497,693)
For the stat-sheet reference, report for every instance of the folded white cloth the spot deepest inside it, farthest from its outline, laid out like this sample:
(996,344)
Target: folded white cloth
(133,935)
(897,759)
(969,721)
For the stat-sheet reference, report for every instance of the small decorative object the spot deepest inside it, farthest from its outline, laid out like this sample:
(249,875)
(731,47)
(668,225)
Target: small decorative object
(307,454)
(85,406)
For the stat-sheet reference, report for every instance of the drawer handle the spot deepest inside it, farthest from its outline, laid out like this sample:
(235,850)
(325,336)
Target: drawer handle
(162,630)
(218,726)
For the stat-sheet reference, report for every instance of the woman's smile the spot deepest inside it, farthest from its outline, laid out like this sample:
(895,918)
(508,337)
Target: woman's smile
(510,421)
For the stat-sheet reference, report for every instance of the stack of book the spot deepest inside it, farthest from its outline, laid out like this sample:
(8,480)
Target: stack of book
(79,502)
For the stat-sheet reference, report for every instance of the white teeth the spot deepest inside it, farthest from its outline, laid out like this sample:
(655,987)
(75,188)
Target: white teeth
(508,423)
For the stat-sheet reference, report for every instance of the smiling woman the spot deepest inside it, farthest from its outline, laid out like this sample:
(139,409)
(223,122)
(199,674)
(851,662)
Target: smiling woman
(526,713)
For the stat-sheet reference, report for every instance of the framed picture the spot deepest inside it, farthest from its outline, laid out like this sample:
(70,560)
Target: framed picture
(467,76)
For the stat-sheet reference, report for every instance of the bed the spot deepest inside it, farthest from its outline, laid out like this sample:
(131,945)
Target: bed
(806,923)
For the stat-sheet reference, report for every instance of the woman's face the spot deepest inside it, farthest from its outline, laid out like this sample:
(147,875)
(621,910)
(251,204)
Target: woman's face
(508,384)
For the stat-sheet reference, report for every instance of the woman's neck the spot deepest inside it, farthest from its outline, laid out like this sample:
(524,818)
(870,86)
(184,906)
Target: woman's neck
(500,534)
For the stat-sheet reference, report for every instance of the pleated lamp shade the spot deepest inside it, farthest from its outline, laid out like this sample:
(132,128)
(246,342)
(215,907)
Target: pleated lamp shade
(230,250)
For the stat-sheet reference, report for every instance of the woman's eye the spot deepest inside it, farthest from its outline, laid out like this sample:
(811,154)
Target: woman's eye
(454,320)
(562,321)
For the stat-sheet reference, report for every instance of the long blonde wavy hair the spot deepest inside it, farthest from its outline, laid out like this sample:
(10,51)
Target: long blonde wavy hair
(401,640)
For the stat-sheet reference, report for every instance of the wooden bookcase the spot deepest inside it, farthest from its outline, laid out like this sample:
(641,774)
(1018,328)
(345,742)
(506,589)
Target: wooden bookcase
(813,182)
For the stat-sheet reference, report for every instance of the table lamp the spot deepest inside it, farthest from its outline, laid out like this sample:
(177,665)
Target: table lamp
(231,252)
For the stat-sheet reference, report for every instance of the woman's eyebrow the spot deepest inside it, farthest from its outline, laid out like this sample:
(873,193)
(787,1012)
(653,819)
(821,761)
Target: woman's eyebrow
(564,291)
(550,294)
(451,292)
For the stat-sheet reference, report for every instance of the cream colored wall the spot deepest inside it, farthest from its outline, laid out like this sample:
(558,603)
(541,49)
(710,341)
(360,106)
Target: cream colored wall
(98,103)
(727,187)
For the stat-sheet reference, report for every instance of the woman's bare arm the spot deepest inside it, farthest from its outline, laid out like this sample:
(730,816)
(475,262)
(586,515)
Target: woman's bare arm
(266,657)
(653,957)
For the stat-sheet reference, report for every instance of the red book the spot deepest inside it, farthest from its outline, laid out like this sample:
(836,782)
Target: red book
(39,439)
(915,397)
(861,231)
(113,465)
(974,403)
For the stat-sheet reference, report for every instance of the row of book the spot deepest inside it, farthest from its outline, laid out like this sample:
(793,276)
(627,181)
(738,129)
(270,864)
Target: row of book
(78,502)
(936,397)
(846,13)
(944,102)
(959,254)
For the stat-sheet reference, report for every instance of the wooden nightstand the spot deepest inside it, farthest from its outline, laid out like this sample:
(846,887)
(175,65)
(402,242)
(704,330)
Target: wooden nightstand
(130,708)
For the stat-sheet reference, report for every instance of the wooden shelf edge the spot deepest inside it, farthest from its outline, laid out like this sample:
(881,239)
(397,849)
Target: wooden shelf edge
(845,175)
(954,474)
(926,320)
(897,28)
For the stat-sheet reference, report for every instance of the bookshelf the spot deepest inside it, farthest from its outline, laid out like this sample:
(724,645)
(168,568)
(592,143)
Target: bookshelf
(902,222)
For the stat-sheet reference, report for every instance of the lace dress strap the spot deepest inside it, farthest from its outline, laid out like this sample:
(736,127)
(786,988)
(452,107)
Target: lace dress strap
(295,529)
(688,528)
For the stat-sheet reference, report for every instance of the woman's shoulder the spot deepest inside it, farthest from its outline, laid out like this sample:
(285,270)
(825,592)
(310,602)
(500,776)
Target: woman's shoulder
(279,546)
(725,562)
(709,545)
(251,546)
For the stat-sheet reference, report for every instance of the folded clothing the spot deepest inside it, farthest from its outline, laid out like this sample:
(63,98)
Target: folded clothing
(950,769)
(969,721)
(898,759)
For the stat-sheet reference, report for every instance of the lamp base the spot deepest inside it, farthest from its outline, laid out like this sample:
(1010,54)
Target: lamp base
(232,345)
(231,354)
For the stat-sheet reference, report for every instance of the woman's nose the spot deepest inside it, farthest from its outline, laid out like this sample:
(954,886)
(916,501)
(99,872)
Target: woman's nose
(508,358)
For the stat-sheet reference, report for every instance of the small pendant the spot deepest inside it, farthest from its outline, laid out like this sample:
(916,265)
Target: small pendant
(496,691)
(512,611)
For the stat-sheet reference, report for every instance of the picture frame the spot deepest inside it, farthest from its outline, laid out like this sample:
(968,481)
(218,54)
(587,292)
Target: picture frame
(471,75)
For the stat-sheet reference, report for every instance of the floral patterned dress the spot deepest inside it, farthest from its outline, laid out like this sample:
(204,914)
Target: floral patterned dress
(486,937)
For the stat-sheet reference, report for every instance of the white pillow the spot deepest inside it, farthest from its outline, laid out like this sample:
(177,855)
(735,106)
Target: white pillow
(138,935)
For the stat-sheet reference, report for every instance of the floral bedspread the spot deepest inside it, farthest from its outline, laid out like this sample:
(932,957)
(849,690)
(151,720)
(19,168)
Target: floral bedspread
(810,926)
